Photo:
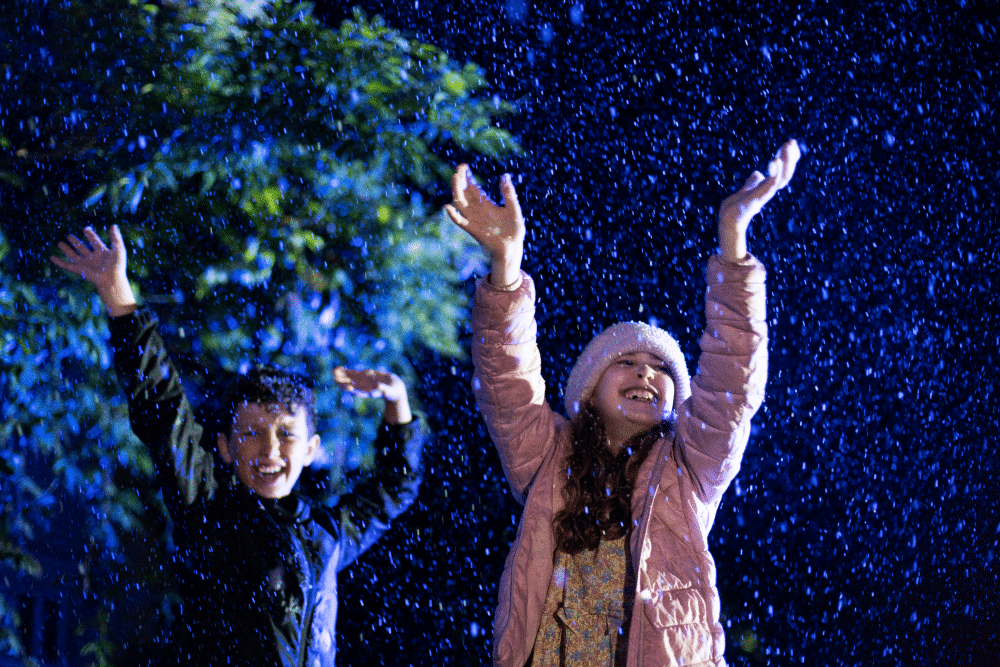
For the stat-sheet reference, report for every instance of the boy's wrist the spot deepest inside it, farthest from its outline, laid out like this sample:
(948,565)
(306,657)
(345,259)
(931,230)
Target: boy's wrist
(397,412)
(118,299)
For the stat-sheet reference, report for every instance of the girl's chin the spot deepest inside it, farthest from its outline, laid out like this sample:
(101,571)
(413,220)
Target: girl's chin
(647,418)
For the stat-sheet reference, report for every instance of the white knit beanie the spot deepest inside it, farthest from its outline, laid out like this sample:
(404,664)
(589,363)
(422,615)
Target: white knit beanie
(613,342)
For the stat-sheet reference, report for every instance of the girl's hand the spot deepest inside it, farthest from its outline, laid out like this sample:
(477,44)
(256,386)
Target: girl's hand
(101,266)
(377,384)
(498,229)
(737,210)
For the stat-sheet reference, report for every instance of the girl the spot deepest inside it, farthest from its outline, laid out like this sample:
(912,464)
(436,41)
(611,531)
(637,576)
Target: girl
(611,565)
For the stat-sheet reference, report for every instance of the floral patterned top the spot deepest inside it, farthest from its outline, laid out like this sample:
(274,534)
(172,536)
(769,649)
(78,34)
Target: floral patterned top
(585,618)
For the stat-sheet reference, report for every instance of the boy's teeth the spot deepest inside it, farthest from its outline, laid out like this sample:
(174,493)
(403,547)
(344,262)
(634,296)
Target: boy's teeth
(269,470)
(639,394)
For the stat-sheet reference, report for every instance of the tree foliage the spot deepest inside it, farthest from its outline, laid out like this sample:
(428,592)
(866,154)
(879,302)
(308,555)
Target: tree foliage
(277,183)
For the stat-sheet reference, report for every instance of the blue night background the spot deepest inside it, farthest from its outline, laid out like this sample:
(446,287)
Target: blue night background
(863,527)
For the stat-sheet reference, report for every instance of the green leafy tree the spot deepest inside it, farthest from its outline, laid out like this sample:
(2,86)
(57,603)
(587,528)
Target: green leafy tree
(277,182)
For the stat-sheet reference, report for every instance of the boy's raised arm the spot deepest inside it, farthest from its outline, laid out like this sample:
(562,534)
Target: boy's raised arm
(102,267)
(159,412)
(390,487)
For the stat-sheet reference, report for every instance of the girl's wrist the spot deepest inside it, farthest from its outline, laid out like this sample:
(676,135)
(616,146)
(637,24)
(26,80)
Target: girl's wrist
(505,272)
(733,255)
(504,282)
(732,244)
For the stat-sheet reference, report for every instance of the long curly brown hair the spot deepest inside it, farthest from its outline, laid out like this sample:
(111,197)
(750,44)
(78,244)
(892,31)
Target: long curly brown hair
(598,491)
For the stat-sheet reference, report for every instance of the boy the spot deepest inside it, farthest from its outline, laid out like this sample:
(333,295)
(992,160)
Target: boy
(258,561)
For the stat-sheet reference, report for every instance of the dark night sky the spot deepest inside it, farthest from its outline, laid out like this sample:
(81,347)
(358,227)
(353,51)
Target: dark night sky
(862,529)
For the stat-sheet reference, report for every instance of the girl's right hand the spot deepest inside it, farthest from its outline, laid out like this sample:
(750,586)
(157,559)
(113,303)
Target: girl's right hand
(498,229)
(737,209)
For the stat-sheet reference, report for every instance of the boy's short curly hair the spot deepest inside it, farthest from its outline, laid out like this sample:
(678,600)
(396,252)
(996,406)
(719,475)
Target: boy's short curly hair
(270,385)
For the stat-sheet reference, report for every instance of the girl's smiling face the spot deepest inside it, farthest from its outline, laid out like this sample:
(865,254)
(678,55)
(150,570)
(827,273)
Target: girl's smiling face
(634,394)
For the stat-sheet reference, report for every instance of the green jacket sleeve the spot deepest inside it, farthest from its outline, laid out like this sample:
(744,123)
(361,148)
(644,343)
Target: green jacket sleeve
(383,493)
(159,412)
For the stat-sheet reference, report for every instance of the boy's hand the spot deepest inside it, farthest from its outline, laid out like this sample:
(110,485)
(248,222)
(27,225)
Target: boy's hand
(498,229)
(377,384)
(102,267)
(737,210)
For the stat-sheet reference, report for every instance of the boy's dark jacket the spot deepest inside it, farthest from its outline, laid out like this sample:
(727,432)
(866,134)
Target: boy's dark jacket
(258,576)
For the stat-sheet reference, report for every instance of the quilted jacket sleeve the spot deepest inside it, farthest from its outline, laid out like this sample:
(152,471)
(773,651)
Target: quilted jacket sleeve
(714,425)
(508,381)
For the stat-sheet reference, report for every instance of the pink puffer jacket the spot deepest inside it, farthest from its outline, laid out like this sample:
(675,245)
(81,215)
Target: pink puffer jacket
(675,620)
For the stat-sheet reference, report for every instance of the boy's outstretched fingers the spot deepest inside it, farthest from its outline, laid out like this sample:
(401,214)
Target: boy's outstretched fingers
(74,249)
(102,266)
(371,383)
(93,261)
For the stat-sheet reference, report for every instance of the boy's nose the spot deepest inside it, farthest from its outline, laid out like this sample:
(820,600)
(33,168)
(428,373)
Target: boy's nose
(272,446)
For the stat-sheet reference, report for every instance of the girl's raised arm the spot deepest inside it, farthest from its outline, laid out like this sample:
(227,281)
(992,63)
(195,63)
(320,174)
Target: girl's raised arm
(728,388)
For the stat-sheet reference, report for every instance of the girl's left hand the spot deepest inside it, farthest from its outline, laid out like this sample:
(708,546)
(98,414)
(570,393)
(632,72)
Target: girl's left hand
(737,209)
(498,229)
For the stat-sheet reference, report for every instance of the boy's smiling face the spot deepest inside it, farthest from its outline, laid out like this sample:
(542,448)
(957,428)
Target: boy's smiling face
(269,447)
